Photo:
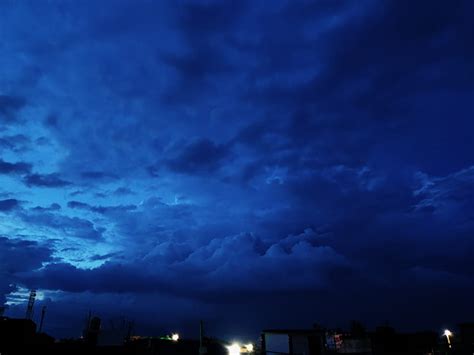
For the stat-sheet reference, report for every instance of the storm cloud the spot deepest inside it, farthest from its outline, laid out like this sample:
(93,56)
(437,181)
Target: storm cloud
(271,160)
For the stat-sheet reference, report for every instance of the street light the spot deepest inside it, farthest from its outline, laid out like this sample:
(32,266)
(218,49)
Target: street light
(175,336)
(234,349)
(448,334)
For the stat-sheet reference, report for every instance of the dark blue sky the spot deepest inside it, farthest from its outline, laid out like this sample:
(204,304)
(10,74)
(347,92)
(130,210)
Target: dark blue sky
(252,163)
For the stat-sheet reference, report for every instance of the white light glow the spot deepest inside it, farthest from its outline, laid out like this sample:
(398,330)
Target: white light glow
(234,349)
(249,347)
(175,336)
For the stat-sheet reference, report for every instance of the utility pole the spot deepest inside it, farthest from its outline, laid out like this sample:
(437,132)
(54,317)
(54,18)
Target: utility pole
(43,312)
(202,348)
(129,330)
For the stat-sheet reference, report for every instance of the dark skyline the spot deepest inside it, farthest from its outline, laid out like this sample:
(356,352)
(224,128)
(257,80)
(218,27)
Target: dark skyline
(253,164)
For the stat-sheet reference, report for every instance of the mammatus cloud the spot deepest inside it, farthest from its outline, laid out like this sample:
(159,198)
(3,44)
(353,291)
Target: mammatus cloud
(234,264)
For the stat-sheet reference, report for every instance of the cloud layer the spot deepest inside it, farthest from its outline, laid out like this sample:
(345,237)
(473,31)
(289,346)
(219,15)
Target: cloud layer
(271,161)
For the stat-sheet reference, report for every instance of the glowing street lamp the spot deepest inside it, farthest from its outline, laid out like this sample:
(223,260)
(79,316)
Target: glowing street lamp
(448,334)
(175,336)
(249,347)
(234,349)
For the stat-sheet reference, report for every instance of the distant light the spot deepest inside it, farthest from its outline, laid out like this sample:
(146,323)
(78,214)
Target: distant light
(175,336)
(234,349)
(249,347)
(448,334)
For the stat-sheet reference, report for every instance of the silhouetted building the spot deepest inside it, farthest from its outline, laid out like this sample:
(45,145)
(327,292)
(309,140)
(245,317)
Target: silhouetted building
(153,345)
(385,341)
(465,340)
(348,343)
(292,341)
(16,331)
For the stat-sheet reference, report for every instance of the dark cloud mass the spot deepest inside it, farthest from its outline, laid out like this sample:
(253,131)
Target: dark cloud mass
(52,207)
(22,255)
(253,160)
(74,227)
(99,209)
(17,142)
(9,105)
(48,180)
(14,168)
(200,156)
(18,256)
(8,204)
